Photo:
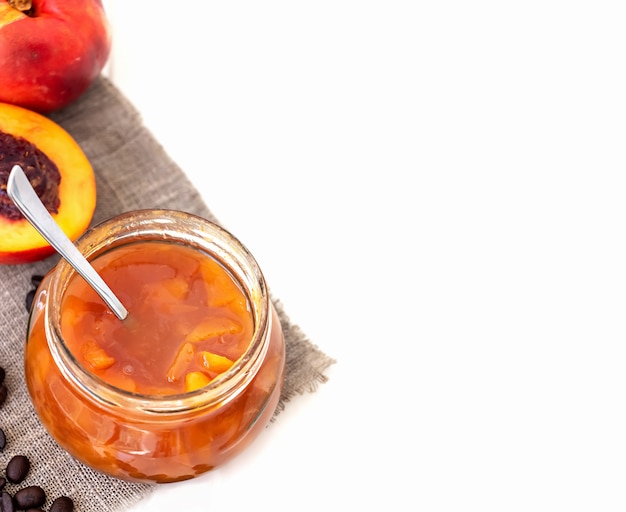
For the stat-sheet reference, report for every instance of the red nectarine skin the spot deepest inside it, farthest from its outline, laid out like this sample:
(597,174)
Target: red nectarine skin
(28,256)
(60,173)
(52,53)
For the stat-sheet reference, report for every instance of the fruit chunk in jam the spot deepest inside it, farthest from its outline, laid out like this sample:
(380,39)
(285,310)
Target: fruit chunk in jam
(188,319)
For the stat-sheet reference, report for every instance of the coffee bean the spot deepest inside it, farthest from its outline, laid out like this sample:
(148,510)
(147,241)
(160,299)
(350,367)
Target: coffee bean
(3,440)
(62,504)
(6,502)
(30,297)
(3,482)
(29,497)
(34,510)
(3,394)
(17,469)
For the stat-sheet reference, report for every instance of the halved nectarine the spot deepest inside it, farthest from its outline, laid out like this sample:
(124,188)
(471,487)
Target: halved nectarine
(60,173)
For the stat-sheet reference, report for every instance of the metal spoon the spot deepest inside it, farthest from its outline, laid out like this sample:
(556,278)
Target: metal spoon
(27,201)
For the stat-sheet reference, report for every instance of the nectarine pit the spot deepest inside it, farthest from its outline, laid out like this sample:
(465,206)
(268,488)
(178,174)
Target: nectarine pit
(25,6)
(42,173)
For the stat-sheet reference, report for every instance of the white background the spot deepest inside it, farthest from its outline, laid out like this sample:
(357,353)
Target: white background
(435,191)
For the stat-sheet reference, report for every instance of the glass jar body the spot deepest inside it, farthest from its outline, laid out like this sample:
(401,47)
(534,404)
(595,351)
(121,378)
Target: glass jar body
(147,438)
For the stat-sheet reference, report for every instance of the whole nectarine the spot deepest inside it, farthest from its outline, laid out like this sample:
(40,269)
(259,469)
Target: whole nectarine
(50,51)
(60,173)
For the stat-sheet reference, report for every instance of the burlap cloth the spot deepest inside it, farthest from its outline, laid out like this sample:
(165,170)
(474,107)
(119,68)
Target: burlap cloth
(132,171)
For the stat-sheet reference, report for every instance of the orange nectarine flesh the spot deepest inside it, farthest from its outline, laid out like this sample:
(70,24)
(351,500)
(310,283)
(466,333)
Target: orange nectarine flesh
(19,241)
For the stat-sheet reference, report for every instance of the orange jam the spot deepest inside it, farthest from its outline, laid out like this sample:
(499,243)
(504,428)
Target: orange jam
(189,379)
(188,319)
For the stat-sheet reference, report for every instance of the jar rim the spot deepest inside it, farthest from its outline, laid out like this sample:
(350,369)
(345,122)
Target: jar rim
(173,226)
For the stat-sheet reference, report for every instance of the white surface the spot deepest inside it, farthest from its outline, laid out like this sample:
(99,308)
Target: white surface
(435,191)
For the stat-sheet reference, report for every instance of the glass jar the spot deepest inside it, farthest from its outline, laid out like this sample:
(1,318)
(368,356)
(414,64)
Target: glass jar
(154,438)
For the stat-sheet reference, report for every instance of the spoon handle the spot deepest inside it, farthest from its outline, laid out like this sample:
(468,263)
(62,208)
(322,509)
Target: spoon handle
(27,201)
